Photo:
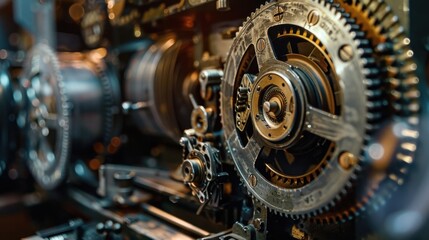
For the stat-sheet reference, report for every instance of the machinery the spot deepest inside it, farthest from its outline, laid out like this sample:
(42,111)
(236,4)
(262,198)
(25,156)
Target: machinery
(215,119)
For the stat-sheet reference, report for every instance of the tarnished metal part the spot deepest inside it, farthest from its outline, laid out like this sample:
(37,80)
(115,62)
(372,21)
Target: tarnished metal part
(93,22)
(202,171)
(390,153)
(357,78)
(324,113)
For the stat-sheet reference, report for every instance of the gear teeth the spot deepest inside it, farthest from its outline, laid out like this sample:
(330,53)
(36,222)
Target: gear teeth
(108,101)
(382,16)
(62,151)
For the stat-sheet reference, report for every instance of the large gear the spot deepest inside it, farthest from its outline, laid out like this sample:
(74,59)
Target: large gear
(394,56)
(47,115)
(301,151)
(72,103)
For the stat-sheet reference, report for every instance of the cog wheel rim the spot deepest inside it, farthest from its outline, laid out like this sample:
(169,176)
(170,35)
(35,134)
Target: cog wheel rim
(283,201)
(394,55)
(111,99)
(47,150)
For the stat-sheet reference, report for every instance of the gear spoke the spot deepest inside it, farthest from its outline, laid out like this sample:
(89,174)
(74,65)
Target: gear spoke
(46,150)
(264,50)
(328,126)
(51,120)
(253,148)
(319,93)
(47,143)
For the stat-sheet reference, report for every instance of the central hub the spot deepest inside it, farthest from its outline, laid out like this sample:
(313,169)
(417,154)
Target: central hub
(273,106)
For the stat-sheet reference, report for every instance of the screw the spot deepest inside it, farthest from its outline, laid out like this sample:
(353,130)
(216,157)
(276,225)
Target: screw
(183,141)
(278,13)
(260,45)
(347,160)
(313,18)
(259,224)
(252,180)
(346,53)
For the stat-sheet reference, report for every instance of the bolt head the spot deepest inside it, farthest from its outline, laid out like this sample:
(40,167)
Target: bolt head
(346,52)
(261,44)
(259,224)
(347,160)
(252,180)
(278,13)
(313,18)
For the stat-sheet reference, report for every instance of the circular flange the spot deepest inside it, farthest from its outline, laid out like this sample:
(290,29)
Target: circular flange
(273,106)
(331,100)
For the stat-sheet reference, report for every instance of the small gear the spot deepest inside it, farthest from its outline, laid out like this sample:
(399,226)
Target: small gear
(324,64)
(202,172)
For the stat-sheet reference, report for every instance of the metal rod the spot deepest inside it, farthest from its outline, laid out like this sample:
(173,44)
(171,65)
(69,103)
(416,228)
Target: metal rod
(174,220)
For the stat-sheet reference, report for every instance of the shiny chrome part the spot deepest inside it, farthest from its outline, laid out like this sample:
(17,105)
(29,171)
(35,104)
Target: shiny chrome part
(162,76)
(70,104)
(222,5)
(47,117)
(208,78)
(200,119)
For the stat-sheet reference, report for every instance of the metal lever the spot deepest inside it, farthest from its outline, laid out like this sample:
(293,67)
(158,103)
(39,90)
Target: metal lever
(127,107)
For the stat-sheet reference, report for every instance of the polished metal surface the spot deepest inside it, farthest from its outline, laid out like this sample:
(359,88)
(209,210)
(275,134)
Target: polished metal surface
(153,77)
(309,54)
(47,116)
(71,102)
